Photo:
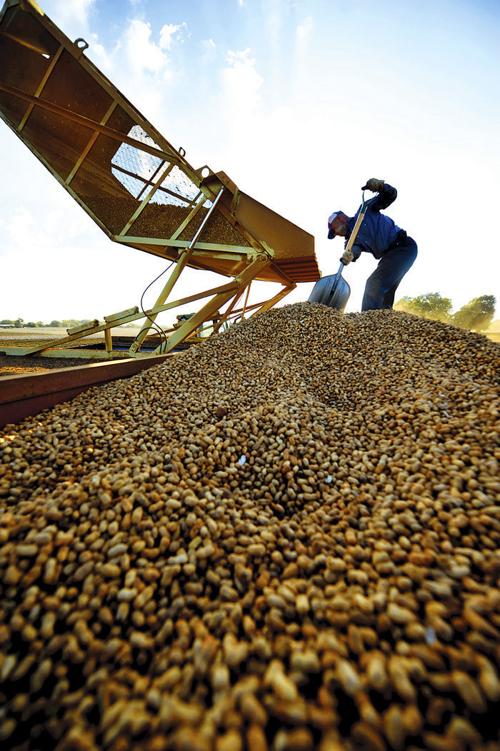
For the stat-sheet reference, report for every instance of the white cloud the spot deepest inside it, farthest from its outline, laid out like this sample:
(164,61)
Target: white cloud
(144,63)
(79,8)
(209,50)
(143,54)
(69,13)
(208,44)
(169,32)
(241,81)
(98,53)
(303,34)
(73,17)
(242,3)
(61,246)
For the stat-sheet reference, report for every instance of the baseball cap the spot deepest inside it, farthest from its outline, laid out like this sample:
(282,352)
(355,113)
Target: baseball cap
(331,219)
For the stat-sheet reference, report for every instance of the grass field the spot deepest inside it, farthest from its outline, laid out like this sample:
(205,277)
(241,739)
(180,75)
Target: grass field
(50,332)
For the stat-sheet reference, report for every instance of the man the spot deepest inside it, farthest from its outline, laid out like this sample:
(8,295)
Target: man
(379,236)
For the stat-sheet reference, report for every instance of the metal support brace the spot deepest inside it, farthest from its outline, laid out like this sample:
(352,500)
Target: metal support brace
(167,289)
(213,306)
(273,300)
(246,300)
(127,318)
(92,125)
(148,182)
(147,199)
(201,199)
(181,263)
(90,143)
(108,340)
(40,87)
(229,310)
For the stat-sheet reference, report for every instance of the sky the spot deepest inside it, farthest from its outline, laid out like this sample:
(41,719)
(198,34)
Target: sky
(299,102)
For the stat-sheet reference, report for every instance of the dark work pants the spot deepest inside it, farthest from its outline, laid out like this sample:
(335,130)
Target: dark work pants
(381,286)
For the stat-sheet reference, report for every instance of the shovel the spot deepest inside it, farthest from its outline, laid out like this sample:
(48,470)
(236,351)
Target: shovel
(333,290)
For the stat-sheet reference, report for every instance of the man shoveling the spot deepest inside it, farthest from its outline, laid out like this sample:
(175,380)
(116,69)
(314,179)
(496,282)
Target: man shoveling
(379,236)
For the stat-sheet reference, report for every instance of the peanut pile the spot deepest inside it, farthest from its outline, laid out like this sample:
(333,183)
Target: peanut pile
(285,538)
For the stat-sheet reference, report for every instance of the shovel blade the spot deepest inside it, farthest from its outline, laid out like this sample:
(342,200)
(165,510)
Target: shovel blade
(331,290)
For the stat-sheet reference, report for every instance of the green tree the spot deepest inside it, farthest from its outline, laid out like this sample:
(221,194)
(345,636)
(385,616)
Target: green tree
(476,314)
(431,305)
(68,323)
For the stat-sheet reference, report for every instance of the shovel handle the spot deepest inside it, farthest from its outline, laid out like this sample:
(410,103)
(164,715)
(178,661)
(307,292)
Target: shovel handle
(358,223)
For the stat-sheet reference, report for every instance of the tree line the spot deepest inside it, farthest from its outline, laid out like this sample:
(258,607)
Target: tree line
(20,323)
(476,315)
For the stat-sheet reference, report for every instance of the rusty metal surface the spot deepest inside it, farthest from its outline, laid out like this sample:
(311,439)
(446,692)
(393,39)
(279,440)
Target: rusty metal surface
(109,157)
(21,396)
(16,411)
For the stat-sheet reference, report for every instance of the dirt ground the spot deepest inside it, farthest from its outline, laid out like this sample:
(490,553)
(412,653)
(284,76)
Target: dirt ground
(15,366)
(27,365)
(12,365)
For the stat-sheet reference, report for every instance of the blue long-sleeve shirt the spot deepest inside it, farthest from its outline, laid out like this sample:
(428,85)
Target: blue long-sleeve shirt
(377,231)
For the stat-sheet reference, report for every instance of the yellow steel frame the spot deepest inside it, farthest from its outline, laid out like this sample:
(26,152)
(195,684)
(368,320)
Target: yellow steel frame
(248,261)
(241,255)
(219,296)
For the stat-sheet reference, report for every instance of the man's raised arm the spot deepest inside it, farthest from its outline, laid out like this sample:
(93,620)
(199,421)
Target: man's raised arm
(386,194)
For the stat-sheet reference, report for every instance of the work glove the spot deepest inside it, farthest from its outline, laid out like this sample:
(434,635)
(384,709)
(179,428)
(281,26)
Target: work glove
(374,185)
(346,257)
